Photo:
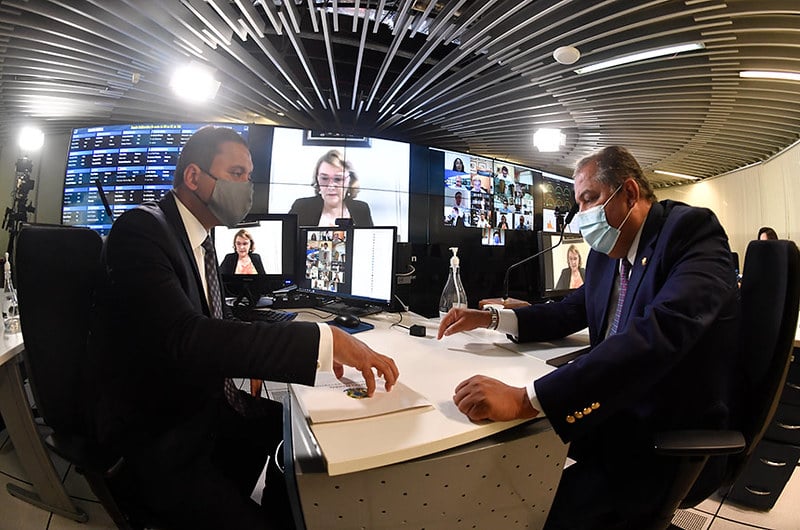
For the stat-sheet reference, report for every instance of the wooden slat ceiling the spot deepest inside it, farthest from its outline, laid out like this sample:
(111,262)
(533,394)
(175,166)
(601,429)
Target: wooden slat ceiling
(466,75)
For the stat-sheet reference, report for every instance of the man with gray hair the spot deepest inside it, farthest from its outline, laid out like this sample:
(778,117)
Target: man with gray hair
(660,301)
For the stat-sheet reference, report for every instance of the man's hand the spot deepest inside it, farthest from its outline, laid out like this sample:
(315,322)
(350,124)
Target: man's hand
(458,319)
(484,398)
(352,352)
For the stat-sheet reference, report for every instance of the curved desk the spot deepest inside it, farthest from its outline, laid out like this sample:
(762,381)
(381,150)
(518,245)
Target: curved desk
(432,467)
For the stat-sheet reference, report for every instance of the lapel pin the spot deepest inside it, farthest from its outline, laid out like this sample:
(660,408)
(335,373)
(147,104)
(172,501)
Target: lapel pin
(644,261)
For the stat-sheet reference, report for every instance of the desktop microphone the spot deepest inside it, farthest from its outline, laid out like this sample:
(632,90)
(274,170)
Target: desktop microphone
(567,221)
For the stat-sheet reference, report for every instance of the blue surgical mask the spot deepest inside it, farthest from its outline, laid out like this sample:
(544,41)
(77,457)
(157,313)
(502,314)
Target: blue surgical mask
(595,229)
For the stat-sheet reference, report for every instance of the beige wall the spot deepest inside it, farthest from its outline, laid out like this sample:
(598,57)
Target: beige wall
(766,194)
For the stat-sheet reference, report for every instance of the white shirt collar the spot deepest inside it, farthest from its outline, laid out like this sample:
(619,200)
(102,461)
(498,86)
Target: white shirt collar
(635,245)
(195,230)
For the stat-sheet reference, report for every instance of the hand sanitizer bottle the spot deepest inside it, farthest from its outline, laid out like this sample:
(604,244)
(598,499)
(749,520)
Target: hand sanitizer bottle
(10,311)
(453,294)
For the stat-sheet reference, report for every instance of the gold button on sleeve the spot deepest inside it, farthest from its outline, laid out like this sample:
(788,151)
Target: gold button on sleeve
(587,411)
(570,418)
(578,414)
(595,405)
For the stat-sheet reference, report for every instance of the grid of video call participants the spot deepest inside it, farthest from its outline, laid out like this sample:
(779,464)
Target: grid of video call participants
(489,195)
(325,259)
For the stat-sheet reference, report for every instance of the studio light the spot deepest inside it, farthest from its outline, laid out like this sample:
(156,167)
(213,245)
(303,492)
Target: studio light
(194,82)
(31,139)
(641,56)
(549,140)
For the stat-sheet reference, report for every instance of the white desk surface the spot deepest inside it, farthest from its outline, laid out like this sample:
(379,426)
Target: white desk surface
(432,368)
(11,345)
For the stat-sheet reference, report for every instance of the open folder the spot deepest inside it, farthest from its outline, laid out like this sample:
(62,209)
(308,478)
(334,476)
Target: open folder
(332,399)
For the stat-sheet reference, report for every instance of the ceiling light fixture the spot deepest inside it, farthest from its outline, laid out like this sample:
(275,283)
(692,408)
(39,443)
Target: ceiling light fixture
(641,56)
(679,175)
(549,140)
(194,82)
(764,74)
(30,139)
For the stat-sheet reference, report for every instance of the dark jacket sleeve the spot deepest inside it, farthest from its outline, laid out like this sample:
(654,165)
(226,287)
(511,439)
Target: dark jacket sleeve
(308,210)
(228,265)
(257,263)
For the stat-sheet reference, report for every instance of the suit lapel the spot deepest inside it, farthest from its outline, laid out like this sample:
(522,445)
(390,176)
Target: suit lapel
(647,244)
(170,209)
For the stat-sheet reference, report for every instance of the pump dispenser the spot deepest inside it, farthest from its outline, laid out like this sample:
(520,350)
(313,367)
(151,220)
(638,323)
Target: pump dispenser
(10,310)
(453,294)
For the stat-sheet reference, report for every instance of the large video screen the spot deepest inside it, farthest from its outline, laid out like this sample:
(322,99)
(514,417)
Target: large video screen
(133,163)
(323,177)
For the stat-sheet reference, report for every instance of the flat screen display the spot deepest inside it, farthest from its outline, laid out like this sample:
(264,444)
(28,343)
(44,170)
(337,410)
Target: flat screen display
(563,269)
(488,194)
(324,177)
(258,255)
(356,263)
(558,196)
(133,163)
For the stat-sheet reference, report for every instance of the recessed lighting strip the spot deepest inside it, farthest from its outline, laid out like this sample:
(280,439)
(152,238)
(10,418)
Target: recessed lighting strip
(764,74)
(679,175)
(641,56)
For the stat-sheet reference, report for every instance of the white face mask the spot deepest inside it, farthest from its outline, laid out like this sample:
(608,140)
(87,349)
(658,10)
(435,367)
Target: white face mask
(230,201)
(595,229)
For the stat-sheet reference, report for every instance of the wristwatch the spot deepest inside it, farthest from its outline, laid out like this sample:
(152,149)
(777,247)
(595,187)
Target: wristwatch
(495,318)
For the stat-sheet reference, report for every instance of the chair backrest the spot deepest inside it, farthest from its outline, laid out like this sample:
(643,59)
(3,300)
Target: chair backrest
(770,292)
(57,268)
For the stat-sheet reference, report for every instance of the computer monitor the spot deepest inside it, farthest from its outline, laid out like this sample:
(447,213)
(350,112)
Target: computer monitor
(353,264)
(556,267)
(272,241)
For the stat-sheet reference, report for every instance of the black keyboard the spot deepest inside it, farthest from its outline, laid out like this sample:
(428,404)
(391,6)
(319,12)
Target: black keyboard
(262,315)
(339,308)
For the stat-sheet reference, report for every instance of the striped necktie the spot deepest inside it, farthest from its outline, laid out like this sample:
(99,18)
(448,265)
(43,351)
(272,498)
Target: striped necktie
(624,272)
(215,306)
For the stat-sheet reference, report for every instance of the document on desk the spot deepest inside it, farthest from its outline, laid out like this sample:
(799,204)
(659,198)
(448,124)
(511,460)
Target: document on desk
(332,399)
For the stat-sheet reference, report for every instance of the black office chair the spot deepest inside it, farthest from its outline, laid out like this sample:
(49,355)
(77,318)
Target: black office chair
(769,294)
(57,268)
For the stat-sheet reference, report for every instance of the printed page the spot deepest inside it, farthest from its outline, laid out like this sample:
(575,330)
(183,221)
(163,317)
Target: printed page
(343,399)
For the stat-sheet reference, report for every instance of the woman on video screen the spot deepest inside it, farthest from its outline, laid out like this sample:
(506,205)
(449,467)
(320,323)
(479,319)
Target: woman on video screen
(243,260)
(572,276)
(336,186)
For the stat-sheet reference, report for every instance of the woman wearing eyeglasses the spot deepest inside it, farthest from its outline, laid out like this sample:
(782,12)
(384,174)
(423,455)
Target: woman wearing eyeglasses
(336,186)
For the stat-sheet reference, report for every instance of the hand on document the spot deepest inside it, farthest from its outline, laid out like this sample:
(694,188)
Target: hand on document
(348,350)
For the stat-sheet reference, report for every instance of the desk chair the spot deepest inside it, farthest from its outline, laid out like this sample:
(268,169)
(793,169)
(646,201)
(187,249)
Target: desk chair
(769,294)
(57,268)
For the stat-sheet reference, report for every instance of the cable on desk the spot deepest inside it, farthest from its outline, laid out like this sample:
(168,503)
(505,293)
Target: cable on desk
(398,324)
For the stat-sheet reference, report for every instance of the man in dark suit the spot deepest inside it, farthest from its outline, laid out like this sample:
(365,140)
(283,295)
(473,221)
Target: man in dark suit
(193,446)
(661,359)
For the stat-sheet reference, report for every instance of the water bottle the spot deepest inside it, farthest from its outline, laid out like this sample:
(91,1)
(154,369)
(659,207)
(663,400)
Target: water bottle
(10,310)
(453,294)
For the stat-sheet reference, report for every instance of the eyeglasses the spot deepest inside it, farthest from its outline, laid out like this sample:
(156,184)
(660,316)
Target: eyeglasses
(326,180)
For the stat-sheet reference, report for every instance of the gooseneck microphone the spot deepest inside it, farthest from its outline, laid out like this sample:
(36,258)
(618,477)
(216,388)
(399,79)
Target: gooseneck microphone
(102,195)
(567,221)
